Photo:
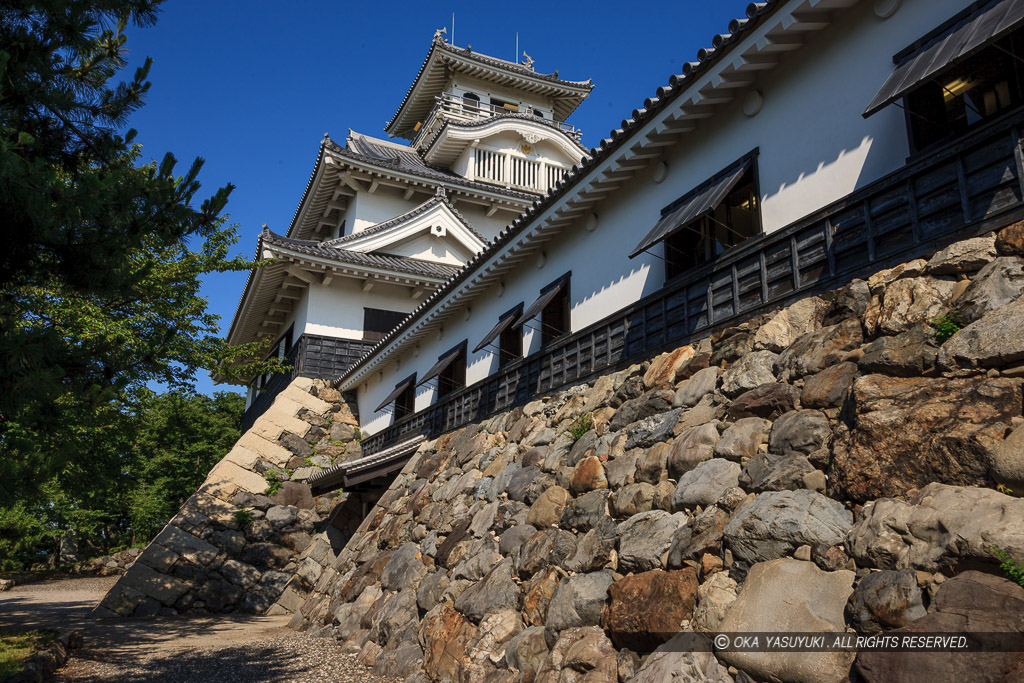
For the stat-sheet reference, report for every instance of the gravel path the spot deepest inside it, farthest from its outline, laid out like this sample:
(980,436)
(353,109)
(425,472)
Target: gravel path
(221,649)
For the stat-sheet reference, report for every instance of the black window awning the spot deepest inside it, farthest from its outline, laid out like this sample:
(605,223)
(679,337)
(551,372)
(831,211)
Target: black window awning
(538,305)
(504,322)
(443,362)
(962,40)
(707,199)
(399,388)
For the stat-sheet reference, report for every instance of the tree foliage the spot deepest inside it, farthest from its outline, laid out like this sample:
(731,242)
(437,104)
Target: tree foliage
(144,461)
(103,254)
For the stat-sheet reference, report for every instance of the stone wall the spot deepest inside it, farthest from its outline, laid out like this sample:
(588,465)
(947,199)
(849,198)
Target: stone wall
(831,466)
(237,544)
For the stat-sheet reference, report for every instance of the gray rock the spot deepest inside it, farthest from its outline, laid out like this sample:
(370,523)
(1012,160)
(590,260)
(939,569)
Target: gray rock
(885,600)
(275,581)
(778,522)
(587,511)
(243,575)
(192,548)
(907,354)
(691,448)
(621,470)
(480,557)
(774,472)
(396,614)
(939,528)
(715,597)
(502,480)
(651,430)
(999,283)
(785,326)
(430,590)
(908,302)
(515,537)
(830,387)
(653,402)
(231,541)
(594,550)
(645,537)
(742,438)
(1007,461)
(673,661)
(483,519)
(800,431)
(519,485)
(527,650)
(702,382)
(964,256)
(282,515)
(700,536)
(494,593)
(705,483)
(813,352)
(750,371)
(992,341)
(153,584)
(546,547)
(766,401)
(790,595)
(631,499)
(580,448)
(579,600)
(159,557)
(404,568)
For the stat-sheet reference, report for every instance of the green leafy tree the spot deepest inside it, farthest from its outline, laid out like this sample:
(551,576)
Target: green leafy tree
(103,254)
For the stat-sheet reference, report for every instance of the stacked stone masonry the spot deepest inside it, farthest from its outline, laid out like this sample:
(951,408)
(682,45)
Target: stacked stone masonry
(827,467)
(241,542)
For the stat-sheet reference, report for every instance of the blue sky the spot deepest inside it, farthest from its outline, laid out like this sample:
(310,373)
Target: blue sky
(252,87)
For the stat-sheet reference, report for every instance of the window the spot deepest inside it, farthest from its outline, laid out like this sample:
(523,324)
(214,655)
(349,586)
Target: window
(553,307)
(735,219)
(502,104)
(449,370)
(983,85)
(453,377)
(715,216)
(538,113)
(378,322)
(405,402)
(510,345)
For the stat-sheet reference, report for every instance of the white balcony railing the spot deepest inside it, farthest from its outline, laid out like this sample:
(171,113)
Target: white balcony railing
(514,172)
(453,107)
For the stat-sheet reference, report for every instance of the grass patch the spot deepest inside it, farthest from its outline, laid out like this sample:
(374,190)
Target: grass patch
(17,646)
(580,426)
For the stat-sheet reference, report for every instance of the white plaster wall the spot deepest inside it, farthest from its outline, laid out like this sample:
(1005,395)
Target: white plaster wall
(337,310)
(367,210)
(814,149)
(461,84)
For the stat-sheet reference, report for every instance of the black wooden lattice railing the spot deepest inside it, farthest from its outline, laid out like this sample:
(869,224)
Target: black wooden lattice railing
(966,187)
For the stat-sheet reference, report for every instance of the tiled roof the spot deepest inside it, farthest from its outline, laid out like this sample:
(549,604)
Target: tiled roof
(429,204)
(398,264)
(403,158)
(483,122)
(439,44)
(679,83)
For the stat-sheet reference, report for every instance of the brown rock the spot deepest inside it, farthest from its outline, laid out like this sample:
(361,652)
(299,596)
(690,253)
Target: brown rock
(971,602)
(537,594)
(647,609)
(663,368)
(828,388)
(909,432)
(581,655)
(699,362)
(651,467)
(444,635)
(813,352)
(1010,240)
(294,493)
(767,401)
(588,475)
(548,507)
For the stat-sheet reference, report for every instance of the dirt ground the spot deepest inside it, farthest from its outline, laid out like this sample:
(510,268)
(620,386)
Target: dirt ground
(215,648)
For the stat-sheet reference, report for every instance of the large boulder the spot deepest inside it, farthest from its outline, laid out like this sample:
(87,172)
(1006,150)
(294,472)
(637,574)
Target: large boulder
(1010,240)
(648,608)
(714,598)
(800,431)
(587,511)
(527,650)
(673,661)
(547,509)
(702,382)
(813,352)
(691,448)
(750,371)
(783,328)
(778,522)
(775,472)
(444,635)
(579,600)
(971,602)
(766,401)
(645,537)
(993,341)
(580,655)
(828,388)
(546,547)
(785,596)
(493,593)
(940,528)
(705,483)
(885,600)
(908,302)
(742,439)
(999,283)
(963,256)
(908,432)
(1008,462)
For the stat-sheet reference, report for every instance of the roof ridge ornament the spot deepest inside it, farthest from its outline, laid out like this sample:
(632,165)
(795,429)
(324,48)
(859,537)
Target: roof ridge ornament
(439,35)
(527,61)
(441,194)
